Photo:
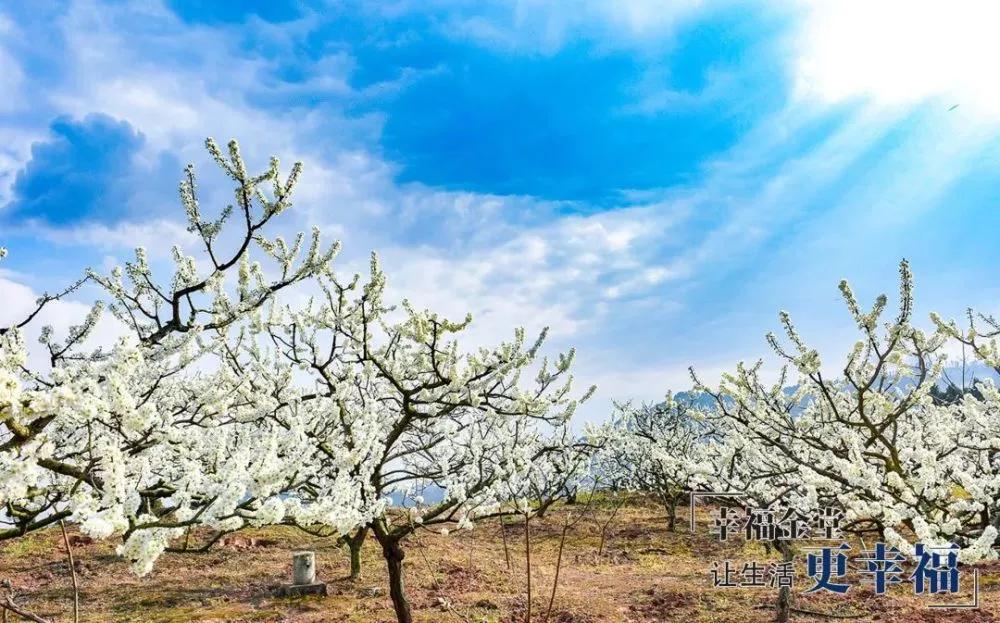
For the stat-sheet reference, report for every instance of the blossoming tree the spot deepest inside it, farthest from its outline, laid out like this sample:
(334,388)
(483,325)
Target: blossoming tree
(404,425)
(147,437)
(658,448)
(874,440)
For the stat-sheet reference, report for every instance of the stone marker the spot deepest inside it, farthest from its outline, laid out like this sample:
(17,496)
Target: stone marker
(303,568)
(303,577)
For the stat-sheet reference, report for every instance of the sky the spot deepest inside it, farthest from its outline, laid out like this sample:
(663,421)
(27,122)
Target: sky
(652,180)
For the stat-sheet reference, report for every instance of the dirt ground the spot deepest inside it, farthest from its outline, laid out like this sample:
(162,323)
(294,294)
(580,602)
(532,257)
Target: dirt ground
(644,574)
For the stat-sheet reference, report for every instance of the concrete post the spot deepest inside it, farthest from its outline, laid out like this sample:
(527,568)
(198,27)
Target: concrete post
(303,568)
(303,577)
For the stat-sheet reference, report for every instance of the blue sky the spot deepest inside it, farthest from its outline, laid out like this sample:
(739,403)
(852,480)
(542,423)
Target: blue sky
(653,180)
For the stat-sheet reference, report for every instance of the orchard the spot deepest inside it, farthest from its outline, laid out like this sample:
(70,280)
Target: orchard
(258,386)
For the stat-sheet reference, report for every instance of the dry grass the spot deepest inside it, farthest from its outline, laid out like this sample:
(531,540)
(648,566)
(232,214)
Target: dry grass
(644,575)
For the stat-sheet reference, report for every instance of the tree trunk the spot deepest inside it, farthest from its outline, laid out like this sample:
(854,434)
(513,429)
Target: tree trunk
(784,605)
(355,542)
(571,496)
(503,534)
(672,514)
(543,507)
(527,558)
(394,563)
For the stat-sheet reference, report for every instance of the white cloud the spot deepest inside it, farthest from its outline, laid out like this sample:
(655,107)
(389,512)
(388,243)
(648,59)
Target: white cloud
(15,149)
(900,52)
(157,236)
(11,82)
(205,94)
(541,26)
